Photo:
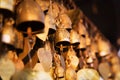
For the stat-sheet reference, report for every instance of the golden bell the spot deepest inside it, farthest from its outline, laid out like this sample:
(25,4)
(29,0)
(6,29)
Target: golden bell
(50,22)
(80,28)
(74,38)
(43,36)
(8,33)
(64,22)
(82,45)
(29,14)
(7,7)
(104,47)
(62,36)
(44,4)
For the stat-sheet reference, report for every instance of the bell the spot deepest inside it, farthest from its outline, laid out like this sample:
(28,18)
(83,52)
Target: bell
(74,38)
(8,34)
(89,60)
(50,22)
(80,28)
(104,47)
(29,16)
(64,22)
(70,74)
(62,36)
(44,4)
(7,7)
(43,36)
(82,45)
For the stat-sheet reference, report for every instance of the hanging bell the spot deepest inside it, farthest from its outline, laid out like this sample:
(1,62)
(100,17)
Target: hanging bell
(8,34)
(80,28)
(82,45)
(43,36)
(104,47)
(64,22)
(7,7)
(74,38)
(50,22)
(62,37)
(29,14)
(44,4)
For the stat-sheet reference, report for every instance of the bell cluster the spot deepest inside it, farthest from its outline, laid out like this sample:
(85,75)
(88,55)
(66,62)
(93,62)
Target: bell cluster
(53,40)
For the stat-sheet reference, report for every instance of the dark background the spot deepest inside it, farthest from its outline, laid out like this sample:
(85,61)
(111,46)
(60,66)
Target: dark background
(105,14)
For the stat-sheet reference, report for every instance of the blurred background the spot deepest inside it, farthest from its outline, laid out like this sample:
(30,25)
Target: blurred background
(105,14)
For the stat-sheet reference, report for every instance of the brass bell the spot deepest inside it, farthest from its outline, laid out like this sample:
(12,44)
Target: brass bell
(74,38)
(43,36)
(62,37)
(104,47)
(64,21)
(50,22)
(7,7)
(80,28)
(8,33)
(44,4)
(82,45)
(29,14)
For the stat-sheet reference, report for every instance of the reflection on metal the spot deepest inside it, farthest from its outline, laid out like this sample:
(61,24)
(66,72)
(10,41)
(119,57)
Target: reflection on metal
(56,39)
(29,16)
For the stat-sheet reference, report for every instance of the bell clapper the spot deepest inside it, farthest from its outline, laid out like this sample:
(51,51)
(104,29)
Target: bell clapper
(30,44)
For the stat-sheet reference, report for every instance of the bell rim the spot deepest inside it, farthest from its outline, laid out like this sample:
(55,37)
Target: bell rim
(6,12)
(39,26)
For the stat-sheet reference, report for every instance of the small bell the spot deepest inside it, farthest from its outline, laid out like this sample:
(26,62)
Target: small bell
(7,7)
(80,28)
(44,4)
(29,16)
(103,47)
(74,38)
(62,38)
(8,34)
(82,45)
(64,22)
